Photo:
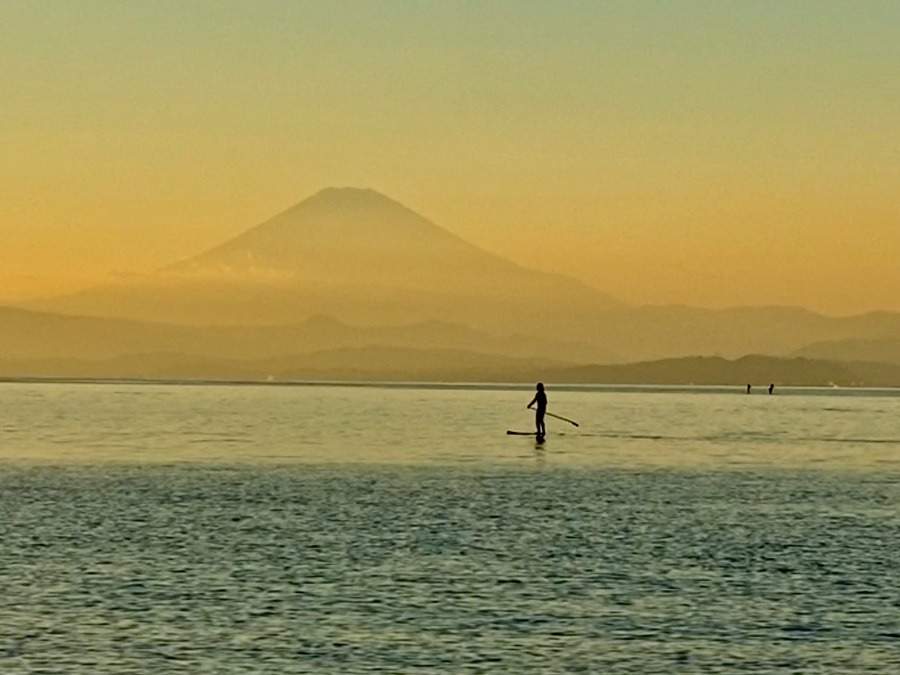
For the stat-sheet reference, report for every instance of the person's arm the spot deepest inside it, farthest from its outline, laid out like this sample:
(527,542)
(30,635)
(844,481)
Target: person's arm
(533,401)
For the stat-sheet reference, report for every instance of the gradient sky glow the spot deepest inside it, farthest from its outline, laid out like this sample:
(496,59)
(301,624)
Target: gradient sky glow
(706,153)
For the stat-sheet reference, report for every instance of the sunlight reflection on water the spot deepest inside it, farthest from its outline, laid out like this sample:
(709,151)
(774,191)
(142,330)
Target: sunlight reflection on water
(151,528)
(422,426)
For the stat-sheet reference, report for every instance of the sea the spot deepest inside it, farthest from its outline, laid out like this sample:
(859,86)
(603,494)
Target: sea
(397,528)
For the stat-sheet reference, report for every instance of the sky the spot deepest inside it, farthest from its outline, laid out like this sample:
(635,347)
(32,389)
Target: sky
(678,152)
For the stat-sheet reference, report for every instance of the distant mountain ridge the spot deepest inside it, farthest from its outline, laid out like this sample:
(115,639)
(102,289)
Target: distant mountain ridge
(351,269)
(47,345)
(756,370)
(883,349)
(384,363)
(28,335)
(649,333)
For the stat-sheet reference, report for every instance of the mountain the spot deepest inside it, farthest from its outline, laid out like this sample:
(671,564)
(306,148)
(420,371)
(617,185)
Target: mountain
(322,348)
(351,268)
(372,363)
(649,333)
(28,335)
(353,254)
(377,363)
(757,370)
(350,236)
(884,350)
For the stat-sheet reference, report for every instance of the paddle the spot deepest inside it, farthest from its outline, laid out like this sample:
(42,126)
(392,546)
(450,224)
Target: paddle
(560,417)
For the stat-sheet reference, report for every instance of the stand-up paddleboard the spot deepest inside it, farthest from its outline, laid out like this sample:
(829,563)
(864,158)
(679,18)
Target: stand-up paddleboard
(537,437)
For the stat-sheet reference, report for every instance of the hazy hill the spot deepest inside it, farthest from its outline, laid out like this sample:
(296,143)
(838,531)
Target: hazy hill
(377,363)
(647,333)
(374,363)
(349,253)
(397,364)
(884,350)
(755,370)
(39,335)
(40,344)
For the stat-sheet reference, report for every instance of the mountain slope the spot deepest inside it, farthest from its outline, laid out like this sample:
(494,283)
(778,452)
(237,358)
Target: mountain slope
(884,350)
(32,335)
(648,333)
(757,370)
(352,236)
(350,253)
(377,363)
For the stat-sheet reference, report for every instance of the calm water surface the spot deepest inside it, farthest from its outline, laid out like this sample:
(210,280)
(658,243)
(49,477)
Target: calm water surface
(268,529)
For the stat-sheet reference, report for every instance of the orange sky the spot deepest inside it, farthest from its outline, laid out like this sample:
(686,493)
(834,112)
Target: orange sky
(710,154)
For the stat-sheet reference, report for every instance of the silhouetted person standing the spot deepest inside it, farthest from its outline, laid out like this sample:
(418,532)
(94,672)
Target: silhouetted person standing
(540,398)
(771,388)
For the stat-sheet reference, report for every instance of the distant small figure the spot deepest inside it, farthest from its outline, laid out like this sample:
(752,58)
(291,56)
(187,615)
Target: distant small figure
(748,388)
(540,398)
(771,388)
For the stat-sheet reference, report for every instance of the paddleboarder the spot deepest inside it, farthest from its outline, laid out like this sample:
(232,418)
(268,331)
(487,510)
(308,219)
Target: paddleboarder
(540,398)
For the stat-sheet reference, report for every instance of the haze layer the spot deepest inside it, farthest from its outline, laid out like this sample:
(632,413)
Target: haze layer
(702,153)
